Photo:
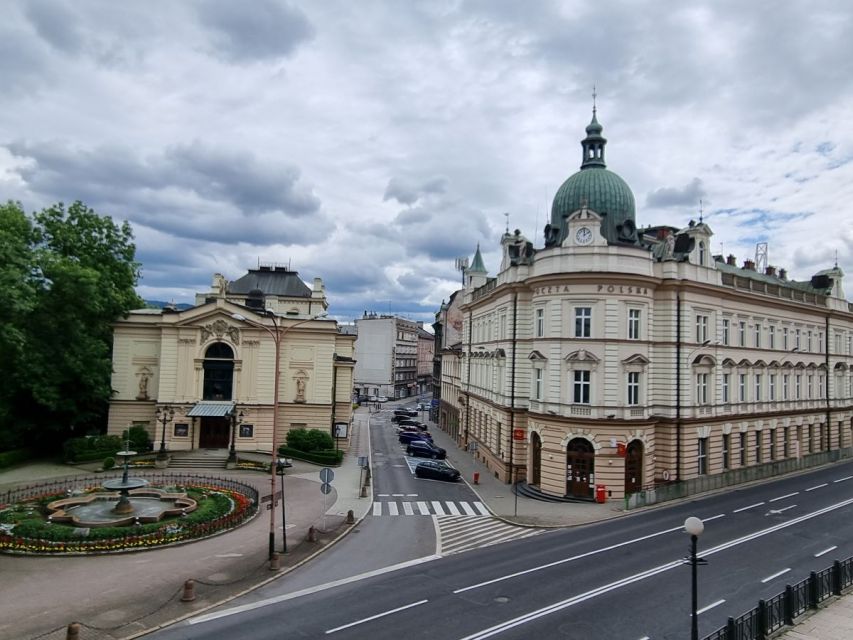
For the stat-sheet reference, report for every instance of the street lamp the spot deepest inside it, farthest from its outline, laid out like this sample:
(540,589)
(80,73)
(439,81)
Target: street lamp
(280,465)
(235,420)
(694,526)
(277,335)
(164,414)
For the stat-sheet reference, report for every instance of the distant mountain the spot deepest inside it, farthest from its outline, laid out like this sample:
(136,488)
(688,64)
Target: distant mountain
(159,304)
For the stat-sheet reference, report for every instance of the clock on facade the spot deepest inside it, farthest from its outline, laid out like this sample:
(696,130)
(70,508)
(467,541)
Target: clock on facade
(583,235)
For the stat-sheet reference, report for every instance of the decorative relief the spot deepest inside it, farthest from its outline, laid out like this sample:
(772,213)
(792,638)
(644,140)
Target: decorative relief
(220,328)
(300,378)
(186,341)
(144,375)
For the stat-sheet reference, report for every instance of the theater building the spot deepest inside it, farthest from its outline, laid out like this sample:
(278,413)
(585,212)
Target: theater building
(630,357)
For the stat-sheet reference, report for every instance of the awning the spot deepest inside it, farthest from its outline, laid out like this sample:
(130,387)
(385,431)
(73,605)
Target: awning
(211,409)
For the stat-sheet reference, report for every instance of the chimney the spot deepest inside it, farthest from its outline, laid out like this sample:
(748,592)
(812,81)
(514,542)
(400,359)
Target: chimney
(731,260)
(770,271)
(783,274)
(749,265)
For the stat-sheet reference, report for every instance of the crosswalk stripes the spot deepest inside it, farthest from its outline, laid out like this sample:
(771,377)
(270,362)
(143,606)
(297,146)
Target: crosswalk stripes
(463,533)
(434,507)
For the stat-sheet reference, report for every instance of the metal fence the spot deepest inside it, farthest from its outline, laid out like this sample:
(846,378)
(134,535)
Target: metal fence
(781,610)
(75,483)
(674,490)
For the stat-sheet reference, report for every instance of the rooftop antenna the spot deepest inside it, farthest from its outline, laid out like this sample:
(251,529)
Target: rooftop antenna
(836,258)
(761,257)
(700,211)
(461,265)
(506,215)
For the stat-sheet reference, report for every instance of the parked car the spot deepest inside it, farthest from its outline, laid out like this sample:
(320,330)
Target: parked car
(400,417)
(407,437)
(424,449)
(382,399)
(408,422)
(372,399)
(410,429)
(411,413)
(437,471)
(423,406)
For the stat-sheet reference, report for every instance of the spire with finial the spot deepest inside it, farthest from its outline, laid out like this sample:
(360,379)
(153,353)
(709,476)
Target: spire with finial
(701,212)
(506,215)
(477,265)
(593,144)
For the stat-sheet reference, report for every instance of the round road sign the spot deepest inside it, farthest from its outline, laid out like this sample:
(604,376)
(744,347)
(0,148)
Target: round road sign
(327,475)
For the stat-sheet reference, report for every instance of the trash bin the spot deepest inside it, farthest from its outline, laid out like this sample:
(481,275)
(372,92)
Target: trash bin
(600,493)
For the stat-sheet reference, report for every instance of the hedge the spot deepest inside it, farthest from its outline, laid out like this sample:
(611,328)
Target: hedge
(329,457)
(90,448)
(8,458)
(309,440)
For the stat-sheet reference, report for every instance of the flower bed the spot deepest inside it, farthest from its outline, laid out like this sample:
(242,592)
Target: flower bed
(24,527)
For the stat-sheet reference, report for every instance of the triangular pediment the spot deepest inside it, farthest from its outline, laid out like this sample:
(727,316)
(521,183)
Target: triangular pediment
(536,355)
(637,358)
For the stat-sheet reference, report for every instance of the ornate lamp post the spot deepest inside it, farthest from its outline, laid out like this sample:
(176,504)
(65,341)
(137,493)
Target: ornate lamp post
(236,420)
(277,334)
(164,414)
(694,526)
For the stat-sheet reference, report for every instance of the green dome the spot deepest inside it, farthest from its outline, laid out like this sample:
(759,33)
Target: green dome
(595,188)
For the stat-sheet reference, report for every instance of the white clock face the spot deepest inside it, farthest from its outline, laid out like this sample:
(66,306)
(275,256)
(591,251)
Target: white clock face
(583,235)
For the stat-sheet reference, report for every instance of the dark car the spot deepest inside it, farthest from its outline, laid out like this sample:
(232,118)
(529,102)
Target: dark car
(402,414)
(406,437)
(411,423)
(424,449)
(437,471)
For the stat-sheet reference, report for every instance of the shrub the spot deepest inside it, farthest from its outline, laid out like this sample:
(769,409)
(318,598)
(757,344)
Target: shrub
(89,448)
(8,458)
(327,458)
(138,437)
(109,463)
(309,440)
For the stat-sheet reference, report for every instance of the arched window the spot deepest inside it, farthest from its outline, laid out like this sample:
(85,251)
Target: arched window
(218,372)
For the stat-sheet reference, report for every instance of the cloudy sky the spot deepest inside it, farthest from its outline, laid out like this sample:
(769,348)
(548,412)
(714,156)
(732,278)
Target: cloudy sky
(370,143)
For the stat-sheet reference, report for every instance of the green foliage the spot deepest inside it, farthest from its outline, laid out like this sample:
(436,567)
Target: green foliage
(66,275)
(90,448)
(309,440)
(109,463)
(15,456)
(138,437)
(330,458)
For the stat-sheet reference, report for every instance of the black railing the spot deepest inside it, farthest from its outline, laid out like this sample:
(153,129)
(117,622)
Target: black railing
(782,609)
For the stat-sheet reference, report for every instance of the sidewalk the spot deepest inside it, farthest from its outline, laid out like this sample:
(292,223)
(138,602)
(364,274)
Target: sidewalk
(122,596)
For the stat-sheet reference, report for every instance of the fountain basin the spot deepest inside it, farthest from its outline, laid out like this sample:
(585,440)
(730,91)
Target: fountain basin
(98,509)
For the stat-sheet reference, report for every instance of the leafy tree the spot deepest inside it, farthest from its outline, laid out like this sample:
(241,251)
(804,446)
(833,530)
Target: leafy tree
(74,277)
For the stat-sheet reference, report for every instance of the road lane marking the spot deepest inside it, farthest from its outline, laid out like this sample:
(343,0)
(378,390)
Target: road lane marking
(467,509)
(722,515)
(482,508)
(775,575)
(825,551)
(383,495)
(377,508)
(843,479)
(377,616)
(407,509)
(398,495)
(785,508)
(452,509)
(392,509)
(757,504)
(423,508)
(310,590)
(411,495)
(436,506)
(787,495)
(817,486)
(710,606)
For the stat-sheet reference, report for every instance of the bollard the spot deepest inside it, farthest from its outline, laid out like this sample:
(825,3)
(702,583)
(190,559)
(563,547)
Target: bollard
(275,562)
(189,591)
(350,517)
(312,534)
(73,632)
(476,477)
(363,491)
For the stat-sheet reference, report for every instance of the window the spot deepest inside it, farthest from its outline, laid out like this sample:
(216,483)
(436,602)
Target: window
(633,388)
(773,444)
(811,440)
(785,443)
(702,253)
(726,377)
(581,387)
(809,384)
(797,339)
(702,457)
(757,397)
(726,446)
(798,379)
(771,336)
(741,387)
(757,335)
(633,324)
(726,327)
(583,322)
(218,372)
(701,328)
(540,323)
(757,447)
(820,385)
(743,449)
(785,338)
(741,333)
(785,381)
(772,389)
(537,384)
(701,388)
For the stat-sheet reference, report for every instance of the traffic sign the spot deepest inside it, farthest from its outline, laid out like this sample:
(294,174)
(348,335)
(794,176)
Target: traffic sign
(326,488)
(327,475)
(362,461)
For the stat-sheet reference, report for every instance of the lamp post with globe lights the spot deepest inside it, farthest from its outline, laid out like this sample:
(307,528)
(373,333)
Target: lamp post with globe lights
(277,334)
(694,526)
(164,414)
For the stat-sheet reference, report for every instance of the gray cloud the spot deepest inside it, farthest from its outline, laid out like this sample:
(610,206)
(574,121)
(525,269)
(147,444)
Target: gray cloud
(263,30)
(687,196)
(56,24)
(409,191)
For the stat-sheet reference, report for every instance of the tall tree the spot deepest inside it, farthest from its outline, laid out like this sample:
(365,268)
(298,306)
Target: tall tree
(82,280)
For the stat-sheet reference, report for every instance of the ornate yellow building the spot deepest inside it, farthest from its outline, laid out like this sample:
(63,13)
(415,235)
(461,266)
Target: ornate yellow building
(205,377)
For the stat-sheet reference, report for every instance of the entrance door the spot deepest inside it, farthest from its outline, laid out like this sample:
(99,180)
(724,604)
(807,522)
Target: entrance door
(215,433)
(536,454)
(580,468)
(634,467)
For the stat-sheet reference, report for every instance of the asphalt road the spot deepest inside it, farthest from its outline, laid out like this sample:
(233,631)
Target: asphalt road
(619,579)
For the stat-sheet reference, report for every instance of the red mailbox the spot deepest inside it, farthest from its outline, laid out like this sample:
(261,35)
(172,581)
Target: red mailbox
(600,493)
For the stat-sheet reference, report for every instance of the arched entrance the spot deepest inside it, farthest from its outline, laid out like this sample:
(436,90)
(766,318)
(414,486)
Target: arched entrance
(634,467)
(218,385)
(580,468)
(536,459)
